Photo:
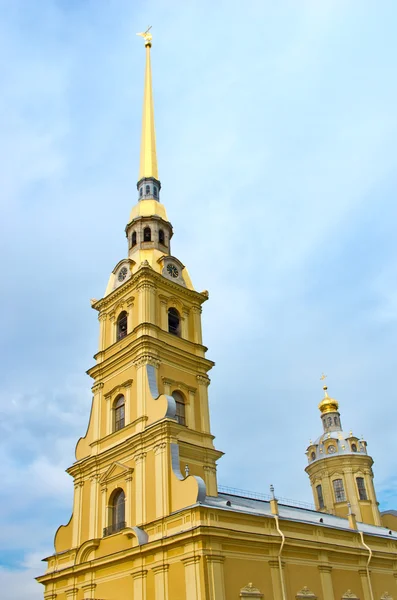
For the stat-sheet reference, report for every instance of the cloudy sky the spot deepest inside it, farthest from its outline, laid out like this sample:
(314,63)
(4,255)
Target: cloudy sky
(277,143)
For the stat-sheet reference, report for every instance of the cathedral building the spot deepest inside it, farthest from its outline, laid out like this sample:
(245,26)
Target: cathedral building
(149,521)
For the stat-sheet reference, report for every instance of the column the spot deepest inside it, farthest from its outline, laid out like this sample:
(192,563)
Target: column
(94,524)
(112,328)
(71,593)
(197,335)
(161,582)
(366,584)
(139,584)
(128,500)
(216,579)
(140,500)
(102,318)
(351,493)
(191,418)
(104,509)
(369,484)
(276,581)
(161,480)
(326,582)
(192,577)
(185,324)
(203,383)
(89,590)
(50,595)
(78,492)
(210,480)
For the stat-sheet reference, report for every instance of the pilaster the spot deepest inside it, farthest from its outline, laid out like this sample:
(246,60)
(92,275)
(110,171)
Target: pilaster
(78,493)
(276,580)
(104,515)
(102,318)
(192,577)
(191,417)
(89,590)
(203,383)
(147,297)
(185,324)
(128,500)
(93,509)
(71,593)
(161,479)
(161,582)
(139,584)
(140,499)
(366,584)
(326,582)
(197,334)
(216,579)
(210,480)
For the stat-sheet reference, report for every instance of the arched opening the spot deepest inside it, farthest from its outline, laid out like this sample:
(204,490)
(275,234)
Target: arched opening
(174,321)
(147,234)
(133,238)
(320,497)
(180,407)
(119,413)
(122,325)
(354,448)
(116,513)
(141,192)
(339,490)
(161,237)
(336,420)
(147,190)
(362,492)
(155,191)
(313,455)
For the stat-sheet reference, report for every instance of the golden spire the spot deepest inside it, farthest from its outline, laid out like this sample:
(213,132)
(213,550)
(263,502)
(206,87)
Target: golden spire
(327,404)
(148,161)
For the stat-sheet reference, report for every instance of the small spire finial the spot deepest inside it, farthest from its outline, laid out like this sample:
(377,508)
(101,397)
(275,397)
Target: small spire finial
(272,491)
(147,36)
(323,378)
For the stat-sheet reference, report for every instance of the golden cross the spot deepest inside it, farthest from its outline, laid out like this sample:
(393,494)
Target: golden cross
(323,377)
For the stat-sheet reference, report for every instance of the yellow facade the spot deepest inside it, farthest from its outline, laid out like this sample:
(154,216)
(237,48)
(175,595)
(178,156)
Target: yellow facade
(148,520)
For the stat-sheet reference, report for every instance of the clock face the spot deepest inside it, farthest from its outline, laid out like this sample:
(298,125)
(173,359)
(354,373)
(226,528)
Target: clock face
(331,449)
(122,274)
(172,270)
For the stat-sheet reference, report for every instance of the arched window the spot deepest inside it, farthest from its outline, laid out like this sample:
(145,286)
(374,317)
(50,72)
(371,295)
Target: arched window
(155,191)
(116,513)
(133,238)
(119,413)
(320,498)
(141,192)
(180,407)
(147,190)
(339,490)
(336,420)
(329,421)
(313,455)
(174,321)
(354,448)
(147,234)
(362,492)
(122,325)
(161,236)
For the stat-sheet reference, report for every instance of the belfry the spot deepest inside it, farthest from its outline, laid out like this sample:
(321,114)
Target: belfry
(149,521)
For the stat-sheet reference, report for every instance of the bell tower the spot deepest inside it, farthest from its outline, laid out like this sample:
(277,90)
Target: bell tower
(148,450)
(340,469)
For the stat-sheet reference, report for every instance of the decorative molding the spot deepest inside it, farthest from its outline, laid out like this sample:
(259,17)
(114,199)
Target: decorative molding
(140,457)
(215,558)
(163,568)
(119,388)
(140,535)
(203,379)
(386,596)
(250,591)
(305,593)
(191,560)
(325,568)
(102,316)
(147,359)
(139,574)
(97,386)
(159,448)
(349,594)
(111,475)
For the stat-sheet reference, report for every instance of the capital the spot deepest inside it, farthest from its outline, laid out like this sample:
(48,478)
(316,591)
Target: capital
(203,380)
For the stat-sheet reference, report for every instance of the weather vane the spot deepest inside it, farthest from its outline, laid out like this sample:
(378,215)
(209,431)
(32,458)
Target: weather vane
(323,377)
(147,36)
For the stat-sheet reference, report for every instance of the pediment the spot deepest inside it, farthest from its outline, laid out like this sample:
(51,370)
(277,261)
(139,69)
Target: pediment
(116,471)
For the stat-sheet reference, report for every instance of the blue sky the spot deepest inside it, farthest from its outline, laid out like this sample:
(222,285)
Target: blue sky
(277,145)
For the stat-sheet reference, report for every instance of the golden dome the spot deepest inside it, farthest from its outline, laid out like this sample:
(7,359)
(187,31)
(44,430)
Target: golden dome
(328,404)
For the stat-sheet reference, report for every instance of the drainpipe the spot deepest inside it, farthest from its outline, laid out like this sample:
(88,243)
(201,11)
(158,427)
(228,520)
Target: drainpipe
(274,510)
(367,566)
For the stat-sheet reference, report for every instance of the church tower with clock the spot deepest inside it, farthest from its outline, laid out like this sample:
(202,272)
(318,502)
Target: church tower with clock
(149,520)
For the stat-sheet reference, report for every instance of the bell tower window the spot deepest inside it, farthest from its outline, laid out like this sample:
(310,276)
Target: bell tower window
(320,497)
(116,513)
(161,237)
(147,234)
(122,325)
(174,321)
(147,190)
(339,490)
(362,492)
(180,407)
(119,413)
(155,191)
(141,192)
(133,238)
